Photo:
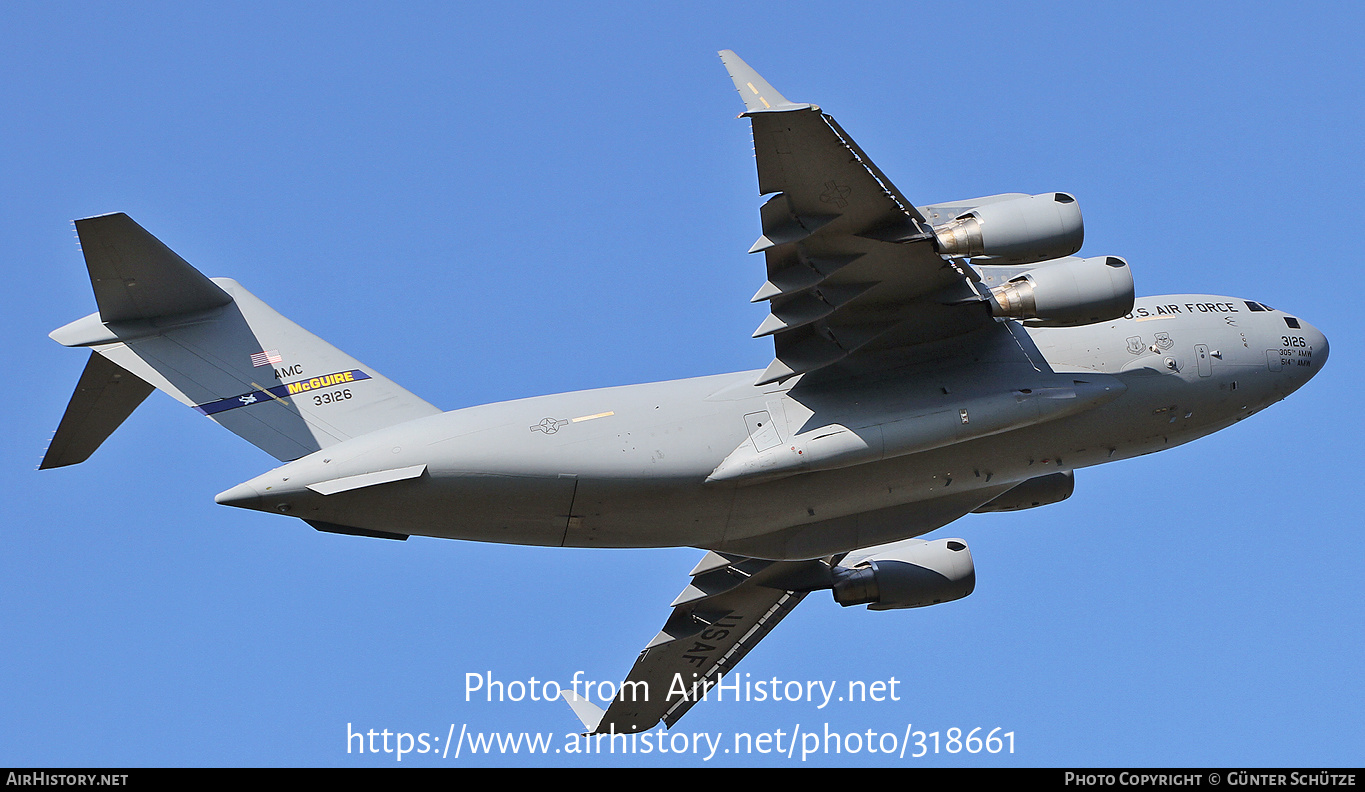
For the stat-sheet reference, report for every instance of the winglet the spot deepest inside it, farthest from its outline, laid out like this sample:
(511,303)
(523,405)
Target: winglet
(757,93)
(588,712)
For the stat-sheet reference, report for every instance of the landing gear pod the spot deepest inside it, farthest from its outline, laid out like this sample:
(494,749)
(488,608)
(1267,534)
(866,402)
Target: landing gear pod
(1035,492)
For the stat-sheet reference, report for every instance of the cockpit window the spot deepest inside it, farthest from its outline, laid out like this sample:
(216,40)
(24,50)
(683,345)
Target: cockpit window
(1292,322)
(1254,306)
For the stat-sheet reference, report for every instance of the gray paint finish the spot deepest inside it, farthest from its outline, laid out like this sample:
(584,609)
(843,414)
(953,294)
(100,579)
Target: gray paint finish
(899,399)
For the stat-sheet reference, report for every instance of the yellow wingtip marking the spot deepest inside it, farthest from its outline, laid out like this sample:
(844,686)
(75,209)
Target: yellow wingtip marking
(756,93)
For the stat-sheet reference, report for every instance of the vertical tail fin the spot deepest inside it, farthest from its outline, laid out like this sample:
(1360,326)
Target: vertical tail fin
(214,346)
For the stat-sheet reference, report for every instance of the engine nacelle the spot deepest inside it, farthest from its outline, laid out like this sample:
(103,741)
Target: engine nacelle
(908,576)
(1037,491)
(1020,230)
(1068,292)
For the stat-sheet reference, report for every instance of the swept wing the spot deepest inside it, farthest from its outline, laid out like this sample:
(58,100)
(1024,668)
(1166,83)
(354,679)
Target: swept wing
(854,278)
(726,609)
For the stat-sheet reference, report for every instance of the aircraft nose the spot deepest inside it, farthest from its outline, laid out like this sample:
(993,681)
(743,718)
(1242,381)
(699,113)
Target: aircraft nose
(1319,345)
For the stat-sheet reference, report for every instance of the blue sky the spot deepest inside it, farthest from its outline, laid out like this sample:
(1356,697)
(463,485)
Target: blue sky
(502,201)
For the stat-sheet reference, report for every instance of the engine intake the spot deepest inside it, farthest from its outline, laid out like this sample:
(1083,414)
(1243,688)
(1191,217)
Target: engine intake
(1067,293)
(1021,230)
(912,576)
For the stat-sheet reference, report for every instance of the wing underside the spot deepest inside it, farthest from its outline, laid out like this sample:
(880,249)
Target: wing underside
(856,285)
(852,265)
(731,603)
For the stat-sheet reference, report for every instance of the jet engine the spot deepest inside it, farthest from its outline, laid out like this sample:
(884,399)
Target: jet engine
(1067,292)
(1013,230)
(907,575)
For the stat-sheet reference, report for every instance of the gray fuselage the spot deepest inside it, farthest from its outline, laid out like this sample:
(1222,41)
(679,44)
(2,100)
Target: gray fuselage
(628,466)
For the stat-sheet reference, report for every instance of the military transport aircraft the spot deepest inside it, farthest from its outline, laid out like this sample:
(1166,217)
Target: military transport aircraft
(929,361)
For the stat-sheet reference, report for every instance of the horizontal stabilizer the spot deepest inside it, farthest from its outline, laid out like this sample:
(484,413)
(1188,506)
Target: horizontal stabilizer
(215,347)
(135,276)
(105,396)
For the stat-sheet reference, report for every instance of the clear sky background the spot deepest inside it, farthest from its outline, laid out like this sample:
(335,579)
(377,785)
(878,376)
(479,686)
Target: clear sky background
(492,201)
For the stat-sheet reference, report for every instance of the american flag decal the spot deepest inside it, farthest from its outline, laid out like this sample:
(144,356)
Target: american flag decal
(266,358)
